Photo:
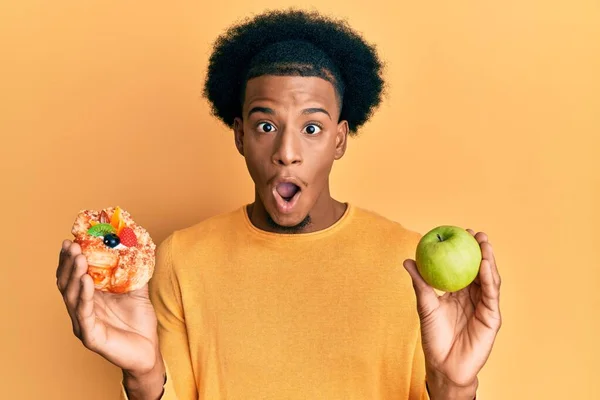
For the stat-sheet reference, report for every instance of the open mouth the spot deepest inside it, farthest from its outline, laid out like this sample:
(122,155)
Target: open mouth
(287,190)
(286,196)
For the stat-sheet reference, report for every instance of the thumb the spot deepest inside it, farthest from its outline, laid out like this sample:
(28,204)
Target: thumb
(427,299)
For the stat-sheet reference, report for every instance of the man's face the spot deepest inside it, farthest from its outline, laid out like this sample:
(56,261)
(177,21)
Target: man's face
(289,135)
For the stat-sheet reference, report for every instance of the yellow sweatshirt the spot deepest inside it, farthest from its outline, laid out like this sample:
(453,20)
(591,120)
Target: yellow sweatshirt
(248,314)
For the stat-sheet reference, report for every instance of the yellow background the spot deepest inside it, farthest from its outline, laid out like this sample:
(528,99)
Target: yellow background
(492,122)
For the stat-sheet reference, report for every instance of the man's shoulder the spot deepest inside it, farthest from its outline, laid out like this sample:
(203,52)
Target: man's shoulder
(218,225)
(376,223)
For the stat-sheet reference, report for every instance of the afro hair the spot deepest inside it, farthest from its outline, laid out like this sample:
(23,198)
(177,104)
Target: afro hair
(295,42)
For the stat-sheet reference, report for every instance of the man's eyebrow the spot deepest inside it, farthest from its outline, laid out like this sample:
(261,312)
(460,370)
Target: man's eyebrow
(306,111)
(315,110)
(265,110)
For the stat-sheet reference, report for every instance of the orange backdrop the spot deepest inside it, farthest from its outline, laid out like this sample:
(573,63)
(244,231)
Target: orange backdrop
(492,121)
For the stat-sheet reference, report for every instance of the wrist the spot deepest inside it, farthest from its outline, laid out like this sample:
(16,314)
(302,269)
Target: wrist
(147,384)
(440,388)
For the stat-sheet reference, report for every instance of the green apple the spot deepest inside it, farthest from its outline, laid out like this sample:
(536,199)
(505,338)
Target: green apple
(448,258)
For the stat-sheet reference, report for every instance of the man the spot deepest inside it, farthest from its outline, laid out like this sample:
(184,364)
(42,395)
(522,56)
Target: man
(297,295)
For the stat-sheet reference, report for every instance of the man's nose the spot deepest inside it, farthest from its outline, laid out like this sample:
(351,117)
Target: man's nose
(287,148)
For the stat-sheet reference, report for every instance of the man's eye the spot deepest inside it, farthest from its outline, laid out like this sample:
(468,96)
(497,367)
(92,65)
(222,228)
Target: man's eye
(312,129)
(266,127)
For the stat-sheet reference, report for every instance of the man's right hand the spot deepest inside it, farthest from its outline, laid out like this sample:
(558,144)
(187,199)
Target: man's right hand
(119,327)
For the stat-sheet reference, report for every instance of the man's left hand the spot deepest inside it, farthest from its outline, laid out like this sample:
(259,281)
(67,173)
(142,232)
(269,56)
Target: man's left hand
(458,329)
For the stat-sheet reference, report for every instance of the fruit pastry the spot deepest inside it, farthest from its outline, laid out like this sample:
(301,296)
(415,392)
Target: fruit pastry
(119,253)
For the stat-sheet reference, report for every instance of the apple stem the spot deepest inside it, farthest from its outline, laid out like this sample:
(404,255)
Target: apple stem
(439,237)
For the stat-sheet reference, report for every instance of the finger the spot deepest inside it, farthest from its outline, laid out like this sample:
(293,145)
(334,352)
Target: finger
(471,231)
(495,272)
(487,252)
(481,237)
(427,299)
(489,289)
(63,249)
(86,318)
(73,289)
(497,276)
(487,310)
(61,257)
(74,284)
(65,273)
(483,240)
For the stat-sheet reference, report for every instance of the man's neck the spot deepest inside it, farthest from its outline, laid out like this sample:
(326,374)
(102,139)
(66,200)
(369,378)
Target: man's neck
(321,216)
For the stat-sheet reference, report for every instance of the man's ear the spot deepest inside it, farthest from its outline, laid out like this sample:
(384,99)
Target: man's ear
(238,134)
(341,139)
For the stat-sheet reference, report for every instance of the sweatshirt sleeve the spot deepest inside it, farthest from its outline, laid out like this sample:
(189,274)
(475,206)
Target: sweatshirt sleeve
(418,389)
(165,296)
